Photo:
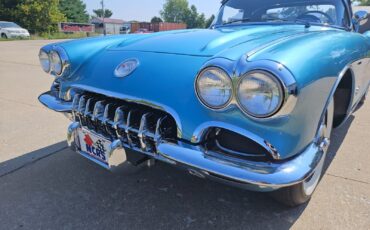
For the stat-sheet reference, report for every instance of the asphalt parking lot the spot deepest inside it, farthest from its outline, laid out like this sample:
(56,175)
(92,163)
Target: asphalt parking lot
(43,185)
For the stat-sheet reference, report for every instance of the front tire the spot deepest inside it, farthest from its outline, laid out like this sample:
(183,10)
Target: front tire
(4,36)
(301,193)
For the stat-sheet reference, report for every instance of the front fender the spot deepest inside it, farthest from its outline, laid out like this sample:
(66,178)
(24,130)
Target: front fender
(80,51)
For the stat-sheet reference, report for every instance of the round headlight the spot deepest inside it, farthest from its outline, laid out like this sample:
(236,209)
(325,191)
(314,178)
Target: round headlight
(260,94)
(214,88)
(56,63)
(44,61)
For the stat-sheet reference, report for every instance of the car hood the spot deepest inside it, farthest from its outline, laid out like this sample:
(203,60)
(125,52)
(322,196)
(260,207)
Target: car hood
(207,42)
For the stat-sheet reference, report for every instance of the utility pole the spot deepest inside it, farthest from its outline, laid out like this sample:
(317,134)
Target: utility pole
(103,16)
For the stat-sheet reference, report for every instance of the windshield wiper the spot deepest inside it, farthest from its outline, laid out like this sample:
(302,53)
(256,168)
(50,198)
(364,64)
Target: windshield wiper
(237,20)
(307,24)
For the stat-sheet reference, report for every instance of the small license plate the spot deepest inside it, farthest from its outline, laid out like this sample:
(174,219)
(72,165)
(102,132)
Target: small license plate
(94,145)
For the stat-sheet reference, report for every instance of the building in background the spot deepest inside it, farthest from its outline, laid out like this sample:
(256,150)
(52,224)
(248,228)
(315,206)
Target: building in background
(118,26)
(140,27)
(112,26)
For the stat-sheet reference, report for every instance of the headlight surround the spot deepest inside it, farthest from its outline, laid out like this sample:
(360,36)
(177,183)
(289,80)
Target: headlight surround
(44,61)
(56,63)
(260,94)
(214,88)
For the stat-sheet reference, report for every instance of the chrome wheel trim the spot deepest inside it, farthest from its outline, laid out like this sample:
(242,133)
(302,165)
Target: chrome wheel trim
(323,140)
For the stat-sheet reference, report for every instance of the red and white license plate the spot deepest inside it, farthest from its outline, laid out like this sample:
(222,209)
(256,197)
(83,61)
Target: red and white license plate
(94,145)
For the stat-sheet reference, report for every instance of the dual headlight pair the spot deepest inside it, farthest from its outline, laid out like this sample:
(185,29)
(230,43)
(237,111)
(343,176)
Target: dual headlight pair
(51,62)
(258,93)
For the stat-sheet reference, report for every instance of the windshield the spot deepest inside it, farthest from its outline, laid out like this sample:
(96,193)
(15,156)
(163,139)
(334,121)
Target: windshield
(9,25)
(326,12)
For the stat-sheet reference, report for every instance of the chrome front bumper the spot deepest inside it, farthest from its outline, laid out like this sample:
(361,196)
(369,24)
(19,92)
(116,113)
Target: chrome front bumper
(258,176)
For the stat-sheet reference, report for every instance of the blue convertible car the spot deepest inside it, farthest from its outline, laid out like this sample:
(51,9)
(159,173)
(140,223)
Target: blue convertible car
(251,101)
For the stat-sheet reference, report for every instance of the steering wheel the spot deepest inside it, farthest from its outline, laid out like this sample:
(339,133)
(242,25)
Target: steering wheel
(309,17)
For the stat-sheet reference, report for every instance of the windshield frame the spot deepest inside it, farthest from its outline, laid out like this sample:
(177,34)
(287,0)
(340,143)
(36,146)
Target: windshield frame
(346,4)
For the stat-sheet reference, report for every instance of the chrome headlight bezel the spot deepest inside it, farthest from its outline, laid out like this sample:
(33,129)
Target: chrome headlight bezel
(44,56)
(224,76)
(56,63)
(265,76)
(236,71)
(62,58)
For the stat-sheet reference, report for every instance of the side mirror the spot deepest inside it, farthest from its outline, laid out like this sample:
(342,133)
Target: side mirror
(360,17)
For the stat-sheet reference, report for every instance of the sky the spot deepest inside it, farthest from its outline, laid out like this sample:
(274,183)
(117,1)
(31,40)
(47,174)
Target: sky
(144,10)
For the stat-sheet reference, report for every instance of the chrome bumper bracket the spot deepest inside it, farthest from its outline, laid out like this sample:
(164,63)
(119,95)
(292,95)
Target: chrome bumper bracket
(51,101)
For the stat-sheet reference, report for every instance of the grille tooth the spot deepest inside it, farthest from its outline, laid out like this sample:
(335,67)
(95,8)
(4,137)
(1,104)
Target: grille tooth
(119,118)
(82,105)
(128,128)
(143,131)
(106,113)
(75,103)
(158,132)
(88,106)
(98,112)
(120,124)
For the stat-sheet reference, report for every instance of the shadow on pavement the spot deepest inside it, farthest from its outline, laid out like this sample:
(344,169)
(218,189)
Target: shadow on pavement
(65,191)
(337,139)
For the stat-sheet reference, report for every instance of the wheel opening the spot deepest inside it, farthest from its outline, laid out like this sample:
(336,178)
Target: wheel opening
(342,99)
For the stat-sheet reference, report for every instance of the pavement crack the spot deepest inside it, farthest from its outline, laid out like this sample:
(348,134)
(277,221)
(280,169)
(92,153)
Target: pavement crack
(346,178)
(32,162)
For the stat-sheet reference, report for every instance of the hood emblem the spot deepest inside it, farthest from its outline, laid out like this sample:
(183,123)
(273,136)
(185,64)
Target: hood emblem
(126,67)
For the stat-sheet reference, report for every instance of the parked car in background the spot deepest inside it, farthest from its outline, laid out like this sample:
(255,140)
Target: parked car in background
(12,30)
(250,102)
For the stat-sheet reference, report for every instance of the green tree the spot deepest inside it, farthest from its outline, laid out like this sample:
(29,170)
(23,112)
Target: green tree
(201,21)
(156,20)
(175,11)
(8,10)
(99,13)
(39,15)
(178,11)
(365,2)
(210,21)
(74,10)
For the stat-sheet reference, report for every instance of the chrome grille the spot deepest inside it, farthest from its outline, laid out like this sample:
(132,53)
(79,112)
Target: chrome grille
(139,127)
